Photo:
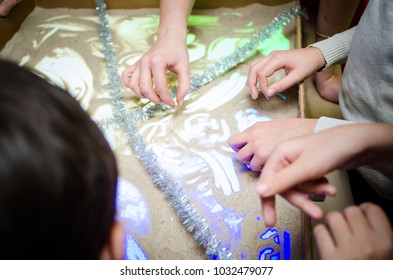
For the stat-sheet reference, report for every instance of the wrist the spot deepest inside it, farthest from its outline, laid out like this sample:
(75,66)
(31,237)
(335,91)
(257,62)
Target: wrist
(318,58)
(172,31)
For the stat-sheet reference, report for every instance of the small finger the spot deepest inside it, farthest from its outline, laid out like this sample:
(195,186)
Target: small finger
(302,201)
(325,242)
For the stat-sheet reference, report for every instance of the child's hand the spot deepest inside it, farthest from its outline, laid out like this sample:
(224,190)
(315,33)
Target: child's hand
(147,77)
(298,64)
(254,145)
(361,233)
(6,6)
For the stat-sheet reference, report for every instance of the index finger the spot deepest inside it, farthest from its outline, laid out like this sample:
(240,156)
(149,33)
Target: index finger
(268,210)
(252,77)
(260,71)
(237,141)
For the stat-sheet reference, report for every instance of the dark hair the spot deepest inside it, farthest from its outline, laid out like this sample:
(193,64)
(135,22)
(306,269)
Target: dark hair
(57,172)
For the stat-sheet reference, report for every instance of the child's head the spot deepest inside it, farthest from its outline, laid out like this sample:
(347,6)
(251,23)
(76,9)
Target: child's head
(57,173)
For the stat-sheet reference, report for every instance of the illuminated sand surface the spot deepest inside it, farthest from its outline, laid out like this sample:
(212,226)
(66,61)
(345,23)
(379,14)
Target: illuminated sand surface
(63,46)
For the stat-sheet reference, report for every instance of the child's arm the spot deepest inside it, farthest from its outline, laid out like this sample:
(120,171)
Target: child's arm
(309,158)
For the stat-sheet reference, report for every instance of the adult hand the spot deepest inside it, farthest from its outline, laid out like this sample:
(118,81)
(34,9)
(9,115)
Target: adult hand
(362,233)
(298,64)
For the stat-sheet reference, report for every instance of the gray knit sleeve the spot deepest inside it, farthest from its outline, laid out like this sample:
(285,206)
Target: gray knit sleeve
(336,48)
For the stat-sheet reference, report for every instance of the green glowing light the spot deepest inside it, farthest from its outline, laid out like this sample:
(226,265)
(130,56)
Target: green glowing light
(244,30)
(202,20)
(224,46)
(277,42)
(190,38)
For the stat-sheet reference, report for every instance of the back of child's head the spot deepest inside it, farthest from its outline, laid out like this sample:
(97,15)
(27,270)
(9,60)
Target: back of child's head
(57,172)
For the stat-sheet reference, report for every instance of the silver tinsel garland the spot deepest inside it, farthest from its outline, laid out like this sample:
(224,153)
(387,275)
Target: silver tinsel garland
(127,121)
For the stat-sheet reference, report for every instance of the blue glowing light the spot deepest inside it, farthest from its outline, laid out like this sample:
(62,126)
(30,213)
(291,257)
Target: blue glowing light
(134,215)
(132,208)
(283,250)
(275,256)
(268,233)
(247,166)
(132,250)
(287,246)
(231,221)
(243,255)
(264,253)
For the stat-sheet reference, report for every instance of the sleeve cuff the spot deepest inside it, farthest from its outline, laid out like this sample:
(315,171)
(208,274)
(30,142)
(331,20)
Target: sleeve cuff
(325,123)
(336,48)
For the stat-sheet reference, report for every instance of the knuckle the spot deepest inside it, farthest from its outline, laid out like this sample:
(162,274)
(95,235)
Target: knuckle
(332,216)
(144,60)
(257,163)
(160,89)
(143,89)
(156,59)
(370,207)
(240,158)
(277,54)
(351,210)
(253,68)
